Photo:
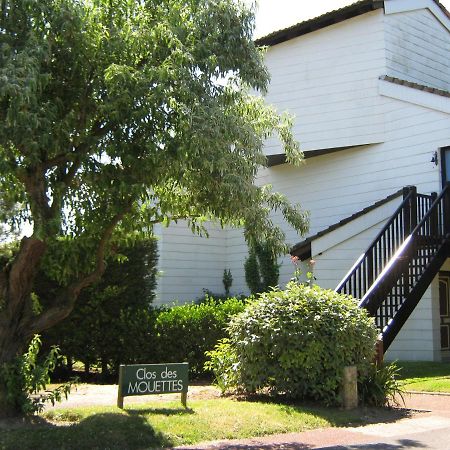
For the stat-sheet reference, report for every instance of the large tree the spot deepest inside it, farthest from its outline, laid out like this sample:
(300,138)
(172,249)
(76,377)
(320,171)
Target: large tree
(116,115)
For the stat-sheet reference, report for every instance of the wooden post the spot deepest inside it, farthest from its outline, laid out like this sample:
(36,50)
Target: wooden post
(350,387)
(413,209)
(406,212)
(379,352)
(119,392)
(370,274)
(184,399)
(434,219)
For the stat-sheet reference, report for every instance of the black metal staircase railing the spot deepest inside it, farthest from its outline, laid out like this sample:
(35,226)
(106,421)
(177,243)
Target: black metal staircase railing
(371,263)
(394,272)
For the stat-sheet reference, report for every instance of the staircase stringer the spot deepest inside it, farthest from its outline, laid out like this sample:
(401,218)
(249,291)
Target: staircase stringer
(413,298)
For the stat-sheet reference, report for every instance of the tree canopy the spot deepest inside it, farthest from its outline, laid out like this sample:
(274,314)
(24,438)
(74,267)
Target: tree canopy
(119,114)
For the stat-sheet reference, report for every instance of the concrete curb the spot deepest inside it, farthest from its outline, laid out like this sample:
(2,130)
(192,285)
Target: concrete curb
(443,394)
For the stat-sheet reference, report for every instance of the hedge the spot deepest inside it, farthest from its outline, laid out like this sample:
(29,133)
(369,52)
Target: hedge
(186,332)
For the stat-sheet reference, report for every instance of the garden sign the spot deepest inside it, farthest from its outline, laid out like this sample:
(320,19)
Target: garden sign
(148,379)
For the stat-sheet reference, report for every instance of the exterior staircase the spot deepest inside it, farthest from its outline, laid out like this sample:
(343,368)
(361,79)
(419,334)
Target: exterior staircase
(392,275)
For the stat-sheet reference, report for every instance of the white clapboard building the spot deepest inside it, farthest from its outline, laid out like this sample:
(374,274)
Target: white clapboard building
(369,85)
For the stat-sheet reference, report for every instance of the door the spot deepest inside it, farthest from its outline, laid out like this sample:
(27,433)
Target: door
(444,312)
(445,165)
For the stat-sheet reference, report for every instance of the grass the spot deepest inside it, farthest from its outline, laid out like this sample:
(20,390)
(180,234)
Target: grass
(425,376)
(158,425)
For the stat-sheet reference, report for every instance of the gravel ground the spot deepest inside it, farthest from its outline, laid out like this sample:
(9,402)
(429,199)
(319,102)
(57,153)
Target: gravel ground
(106,395)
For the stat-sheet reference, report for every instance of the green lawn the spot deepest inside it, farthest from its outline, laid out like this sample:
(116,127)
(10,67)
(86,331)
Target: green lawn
(157,425)
(425,376)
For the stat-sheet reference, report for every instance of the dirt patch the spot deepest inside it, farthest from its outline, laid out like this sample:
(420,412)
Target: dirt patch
(106,395)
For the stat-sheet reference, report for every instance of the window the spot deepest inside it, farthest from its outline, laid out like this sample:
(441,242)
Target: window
(443,297)
(445,343)
(444,309)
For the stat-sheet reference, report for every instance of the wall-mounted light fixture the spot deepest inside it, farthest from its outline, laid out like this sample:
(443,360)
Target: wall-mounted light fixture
(434,158)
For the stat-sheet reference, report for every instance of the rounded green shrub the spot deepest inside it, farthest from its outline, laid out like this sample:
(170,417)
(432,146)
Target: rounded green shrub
(295,342)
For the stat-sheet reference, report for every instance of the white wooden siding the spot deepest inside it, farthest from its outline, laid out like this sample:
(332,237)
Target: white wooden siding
(415,96)
(328,80)
(418,48)
(334,186)
(189,263)
(419,339)
(354,227)
(237,252)
(332,265)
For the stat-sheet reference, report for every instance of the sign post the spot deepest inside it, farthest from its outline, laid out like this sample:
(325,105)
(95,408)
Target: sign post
(151,379)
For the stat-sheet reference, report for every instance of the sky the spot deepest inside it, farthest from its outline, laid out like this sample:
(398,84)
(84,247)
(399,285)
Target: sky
(273,15)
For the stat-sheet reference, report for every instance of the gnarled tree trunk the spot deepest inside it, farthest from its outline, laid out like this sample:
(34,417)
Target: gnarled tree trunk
(10,347)
(15,299)
(18,322)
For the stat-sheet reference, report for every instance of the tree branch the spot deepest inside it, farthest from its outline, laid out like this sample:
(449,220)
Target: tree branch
(81,149)
(175,218)
(21,274)
(35,186)
(65,181)
(65,302)
(76,157)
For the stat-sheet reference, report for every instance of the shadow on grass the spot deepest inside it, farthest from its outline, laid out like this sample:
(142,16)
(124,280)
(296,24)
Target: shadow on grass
(337,416)
(100,431)
(356,417)
(423,369)
(159,411)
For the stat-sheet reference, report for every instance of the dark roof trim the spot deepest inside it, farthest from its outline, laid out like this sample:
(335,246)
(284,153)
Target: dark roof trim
(276,160)
(325,20)
(303,249)
(280,158)
(443,8)
(420,87)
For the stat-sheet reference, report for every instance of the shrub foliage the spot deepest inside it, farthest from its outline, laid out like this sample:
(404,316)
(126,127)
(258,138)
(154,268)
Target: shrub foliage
(227,281)
(381,385)
(295,342)
(186,332)
(27,377)
(111,323)
(261,268)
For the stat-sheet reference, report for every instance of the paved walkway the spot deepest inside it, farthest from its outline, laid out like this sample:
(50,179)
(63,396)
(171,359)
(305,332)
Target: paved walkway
(428,429)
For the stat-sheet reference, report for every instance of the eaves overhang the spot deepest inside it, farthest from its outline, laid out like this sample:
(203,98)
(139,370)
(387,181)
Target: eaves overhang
(280,158)
(303,249)
(325,20)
